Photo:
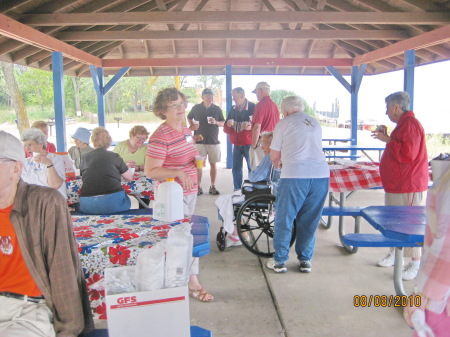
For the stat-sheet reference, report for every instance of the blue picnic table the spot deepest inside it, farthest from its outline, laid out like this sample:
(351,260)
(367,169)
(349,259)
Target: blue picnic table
(330,150)
(405,225)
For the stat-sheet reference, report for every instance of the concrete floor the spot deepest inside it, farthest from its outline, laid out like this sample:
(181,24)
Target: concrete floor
(251,300)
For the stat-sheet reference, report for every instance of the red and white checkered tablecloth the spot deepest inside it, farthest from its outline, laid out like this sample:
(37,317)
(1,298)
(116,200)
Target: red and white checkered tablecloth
(345,179)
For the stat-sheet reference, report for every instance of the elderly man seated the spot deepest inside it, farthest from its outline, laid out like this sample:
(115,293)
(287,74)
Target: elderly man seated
(263,172)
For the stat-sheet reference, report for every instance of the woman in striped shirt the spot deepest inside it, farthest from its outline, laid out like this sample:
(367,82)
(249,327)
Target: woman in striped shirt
(171,154)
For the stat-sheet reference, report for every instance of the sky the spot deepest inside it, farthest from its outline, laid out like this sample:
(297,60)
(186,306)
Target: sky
(431,93)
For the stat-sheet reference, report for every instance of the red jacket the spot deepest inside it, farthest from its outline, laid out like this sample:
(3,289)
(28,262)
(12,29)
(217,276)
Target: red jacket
(404,165)
(237,135)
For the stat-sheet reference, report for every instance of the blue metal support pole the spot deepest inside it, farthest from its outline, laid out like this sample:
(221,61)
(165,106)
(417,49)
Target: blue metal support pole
(60,113)
(408,79)
(113,81)
(354,106)
(228,88)
(97,77)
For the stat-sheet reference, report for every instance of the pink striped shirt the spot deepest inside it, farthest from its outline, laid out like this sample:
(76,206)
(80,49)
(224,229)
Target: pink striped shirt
(177,150)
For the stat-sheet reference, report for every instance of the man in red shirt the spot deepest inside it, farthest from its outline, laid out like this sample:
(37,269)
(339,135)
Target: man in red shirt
(403,168)
(264,119)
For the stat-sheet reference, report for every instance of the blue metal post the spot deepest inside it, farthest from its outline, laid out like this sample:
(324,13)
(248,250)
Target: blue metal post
(228,88)
(60,113)
(354,106)
(101,99)
(408,79)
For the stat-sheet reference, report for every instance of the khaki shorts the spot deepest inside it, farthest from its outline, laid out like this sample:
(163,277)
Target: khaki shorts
(210,150)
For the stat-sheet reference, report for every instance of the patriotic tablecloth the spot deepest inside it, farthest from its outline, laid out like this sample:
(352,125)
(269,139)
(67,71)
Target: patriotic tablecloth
(140,186)
(363,175)
(106,241)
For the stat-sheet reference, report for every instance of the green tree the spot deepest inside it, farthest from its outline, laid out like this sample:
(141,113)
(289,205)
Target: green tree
(278,96)
(211,81)
(36,86)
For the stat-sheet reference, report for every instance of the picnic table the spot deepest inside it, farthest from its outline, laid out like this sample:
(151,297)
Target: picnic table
(330,151)
(106,241)
(345,180)
(403,223)
(139,187)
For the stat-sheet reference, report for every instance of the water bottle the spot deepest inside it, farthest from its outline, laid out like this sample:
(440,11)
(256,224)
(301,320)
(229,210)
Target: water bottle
(168,201)
(178,256)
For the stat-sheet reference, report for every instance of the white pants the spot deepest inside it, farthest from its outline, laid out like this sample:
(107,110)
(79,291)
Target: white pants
(20,318)
(189,202)
(256,155)
(405,199)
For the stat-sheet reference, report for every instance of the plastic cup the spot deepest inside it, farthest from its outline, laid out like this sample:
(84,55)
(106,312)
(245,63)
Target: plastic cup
(194,121)
(231,121)
(132,169)
(199,161)
(210,120)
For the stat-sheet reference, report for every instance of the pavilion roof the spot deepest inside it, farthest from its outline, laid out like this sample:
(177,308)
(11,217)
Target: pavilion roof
(200,37)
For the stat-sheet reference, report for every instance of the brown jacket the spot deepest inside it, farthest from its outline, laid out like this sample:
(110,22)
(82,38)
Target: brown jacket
(44,230)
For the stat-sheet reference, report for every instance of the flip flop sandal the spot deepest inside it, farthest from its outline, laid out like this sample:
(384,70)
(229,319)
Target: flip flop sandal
(201,295)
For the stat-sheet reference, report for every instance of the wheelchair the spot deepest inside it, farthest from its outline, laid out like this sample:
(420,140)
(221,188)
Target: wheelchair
(254,220)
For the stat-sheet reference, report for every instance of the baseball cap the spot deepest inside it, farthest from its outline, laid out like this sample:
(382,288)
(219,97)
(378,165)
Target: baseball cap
(82,134)
(11,147)
(261,85)
(207,92)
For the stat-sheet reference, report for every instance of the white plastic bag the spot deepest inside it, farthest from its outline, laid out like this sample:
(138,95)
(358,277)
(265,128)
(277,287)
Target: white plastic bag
(178,255)
(150,268)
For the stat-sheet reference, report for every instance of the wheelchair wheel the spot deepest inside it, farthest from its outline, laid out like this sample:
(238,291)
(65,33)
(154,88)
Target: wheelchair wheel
(220,240)
(254,223)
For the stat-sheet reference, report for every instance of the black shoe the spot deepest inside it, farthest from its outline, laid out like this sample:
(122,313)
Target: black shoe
(304,266)
(213,191)
(200,191)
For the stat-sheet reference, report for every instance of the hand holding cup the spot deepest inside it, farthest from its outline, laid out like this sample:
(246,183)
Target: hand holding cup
(230,123)
(199,162)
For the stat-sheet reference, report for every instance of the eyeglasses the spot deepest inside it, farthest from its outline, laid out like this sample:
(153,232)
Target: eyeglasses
(177,105)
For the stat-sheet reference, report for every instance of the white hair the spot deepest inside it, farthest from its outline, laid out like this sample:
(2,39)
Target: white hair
(34,134)
(292,104)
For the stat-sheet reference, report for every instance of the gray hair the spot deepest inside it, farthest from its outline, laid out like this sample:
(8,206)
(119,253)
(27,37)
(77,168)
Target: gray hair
(401,98)
(34,134)
(292,103)
(239,90)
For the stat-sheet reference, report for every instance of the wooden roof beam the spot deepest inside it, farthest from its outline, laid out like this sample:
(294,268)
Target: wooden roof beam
(424,40)
(20,32)
(234,34)
(198,16)
(222,61)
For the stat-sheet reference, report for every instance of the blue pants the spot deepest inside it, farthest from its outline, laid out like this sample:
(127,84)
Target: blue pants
(302,200)
(239,153)
(105,204)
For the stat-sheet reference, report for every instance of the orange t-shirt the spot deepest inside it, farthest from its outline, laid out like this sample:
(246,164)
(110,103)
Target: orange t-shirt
(14,274)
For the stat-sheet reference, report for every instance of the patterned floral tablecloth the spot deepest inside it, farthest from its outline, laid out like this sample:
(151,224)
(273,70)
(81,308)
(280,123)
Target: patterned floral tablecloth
(140,186)
(363,175)
(106,241)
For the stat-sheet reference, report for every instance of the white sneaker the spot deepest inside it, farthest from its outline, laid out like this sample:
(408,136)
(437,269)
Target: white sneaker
(410,271)
(277,268)
(232,241)
(388,261)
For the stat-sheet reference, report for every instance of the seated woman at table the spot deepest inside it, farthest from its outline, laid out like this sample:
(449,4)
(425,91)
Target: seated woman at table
(43,126)
(133,150)
(171,154)
(101,173)
(81,138)
(42,168)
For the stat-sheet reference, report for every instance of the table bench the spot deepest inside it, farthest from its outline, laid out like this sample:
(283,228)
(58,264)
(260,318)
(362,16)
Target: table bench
(355,212)
(349,156)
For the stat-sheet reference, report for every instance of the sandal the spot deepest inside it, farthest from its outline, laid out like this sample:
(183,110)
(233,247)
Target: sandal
(201,295)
